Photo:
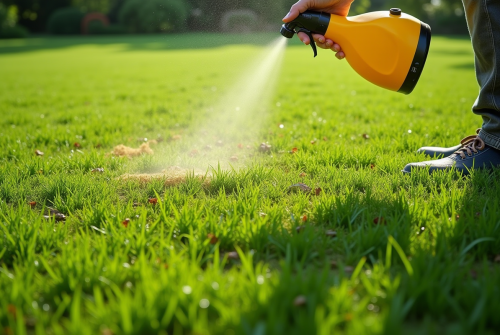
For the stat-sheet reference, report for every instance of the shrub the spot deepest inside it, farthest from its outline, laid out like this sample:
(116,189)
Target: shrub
(13,32)
(3,15)
(97,28)
(8,20)
(150,16)
(65,21)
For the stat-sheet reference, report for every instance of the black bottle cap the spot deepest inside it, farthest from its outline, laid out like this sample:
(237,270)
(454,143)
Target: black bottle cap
(395,11)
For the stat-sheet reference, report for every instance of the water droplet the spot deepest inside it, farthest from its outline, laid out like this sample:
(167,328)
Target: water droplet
(204,303)
(187,289)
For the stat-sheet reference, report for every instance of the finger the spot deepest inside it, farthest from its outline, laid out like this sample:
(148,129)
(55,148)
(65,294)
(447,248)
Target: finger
(340,55)
(304,38)
(322,46)
(319,39)
(329,43)
(297,8)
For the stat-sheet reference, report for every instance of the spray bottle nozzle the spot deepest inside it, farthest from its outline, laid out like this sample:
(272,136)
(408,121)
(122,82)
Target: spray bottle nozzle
(308,22)
(286,32)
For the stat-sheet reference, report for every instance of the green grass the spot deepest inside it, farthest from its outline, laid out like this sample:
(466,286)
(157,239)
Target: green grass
(428,270)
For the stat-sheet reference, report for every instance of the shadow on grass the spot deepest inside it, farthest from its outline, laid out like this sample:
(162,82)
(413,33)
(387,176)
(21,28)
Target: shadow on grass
(464,66)
(140,42)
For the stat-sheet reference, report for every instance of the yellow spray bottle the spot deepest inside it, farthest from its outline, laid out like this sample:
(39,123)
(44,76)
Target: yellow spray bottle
(387,48)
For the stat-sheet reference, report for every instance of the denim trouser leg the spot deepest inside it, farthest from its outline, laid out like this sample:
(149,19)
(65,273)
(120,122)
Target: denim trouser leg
(483,20)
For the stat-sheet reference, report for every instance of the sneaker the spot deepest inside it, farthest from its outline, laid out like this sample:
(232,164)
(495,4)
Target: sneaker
(475,154)
(445,152)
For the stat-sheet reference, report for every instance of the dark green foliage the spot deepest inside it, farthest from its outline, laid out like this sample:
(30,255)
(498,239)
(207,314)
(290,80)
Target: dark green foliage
(153,16)
(8,27)
(13,32)
(65,21)
(97,28)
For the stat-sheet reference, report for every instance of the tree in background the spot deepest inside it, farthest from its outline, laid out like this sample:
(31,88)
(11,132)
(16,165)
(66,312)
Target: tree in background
(33,14)
(444,16)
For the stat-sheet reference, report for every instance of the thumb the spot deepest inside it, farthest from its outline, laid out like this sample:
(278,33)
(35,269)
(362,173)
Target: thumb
(297,8)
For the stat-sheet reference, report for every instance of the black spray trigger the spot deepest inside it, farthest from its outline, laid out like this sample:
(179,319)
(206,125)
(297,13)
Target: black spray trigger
(312,43)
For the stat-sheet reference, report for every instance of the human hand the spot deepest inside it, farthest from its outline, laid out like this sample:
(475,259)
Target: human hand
(338,7)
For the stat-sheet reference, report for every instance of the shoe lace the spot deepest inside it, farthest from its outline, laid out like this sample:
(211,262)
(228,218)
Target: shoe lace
(471,144)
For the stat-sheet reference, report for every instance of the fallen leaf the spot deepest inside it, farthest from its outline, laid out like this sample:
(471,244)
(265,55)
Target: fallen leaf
(302,174)
(240,146)
(60,217)
(379,220)
(299,187)
(176,137)
(348,317)
(38,153)
(153,201)
(294,150)
(194,153)
(98,145)
(348,268)
(304,218)
(32,204)
(300,301)
(55,213)
(213,239)
(325,138)
(331,233)
(77,145)
(265,147)
(107,331)
(317,190)
(372,166)
(100,170)
(234,158)
(366,136)
(124,151)
(126,222)
(11,309)
(160,139)
(219,143)
(313,142)
(233,255)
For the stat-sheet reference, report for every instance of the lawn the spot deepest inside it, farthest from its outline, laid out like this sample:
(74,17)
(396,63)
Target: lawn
(367,251)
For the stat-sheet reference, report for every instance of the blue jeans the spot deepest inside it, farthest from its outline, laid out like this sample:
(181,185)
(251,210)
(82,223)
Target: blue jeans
(483,20)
